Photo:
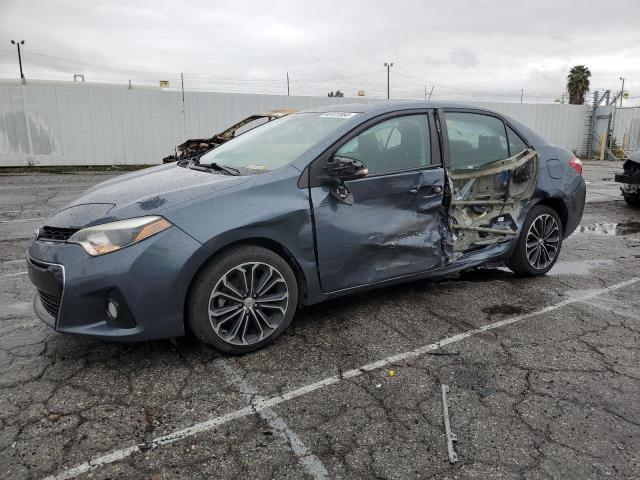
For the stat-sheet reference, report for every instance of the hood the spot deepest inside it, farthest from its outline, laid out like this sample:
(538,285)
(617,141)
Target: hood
(145,192)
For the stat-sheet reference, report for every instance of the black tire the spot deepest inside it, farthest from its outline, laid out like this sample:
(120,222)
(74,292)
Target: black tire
(521,262)
(210,288)
(632,199)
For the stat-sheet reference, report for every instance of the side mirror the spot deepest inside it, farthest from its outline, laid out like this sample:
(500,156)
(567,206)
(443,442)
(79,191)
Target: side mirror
(346,168)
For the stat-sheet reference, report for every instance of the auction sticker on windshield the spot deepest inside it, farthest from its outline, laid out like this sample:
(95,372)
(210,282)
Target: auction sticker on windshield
(338,115)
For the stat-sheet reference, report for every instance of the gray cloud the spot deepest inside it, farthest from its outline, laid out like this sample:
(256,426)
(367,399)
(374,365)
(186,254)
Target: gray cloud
(491,48)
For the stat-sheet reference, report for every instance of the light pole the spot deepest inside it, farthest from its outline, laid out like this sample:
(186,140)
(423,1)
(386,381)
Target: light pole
(21,42)
(621,91)
(388,65)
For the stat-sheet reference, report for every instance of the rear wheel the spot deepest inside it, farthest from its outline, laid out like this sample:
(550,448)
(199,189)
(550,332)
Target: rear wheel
(243,300)
(539,243)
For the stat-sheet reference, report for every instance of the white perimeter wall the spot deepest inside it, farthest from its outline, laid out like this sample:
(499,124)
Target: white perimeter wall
(45,123)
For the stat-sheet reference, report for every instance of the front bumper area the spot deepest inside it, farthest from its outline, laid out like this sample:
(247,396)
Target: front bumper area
(149,279)
(48,279)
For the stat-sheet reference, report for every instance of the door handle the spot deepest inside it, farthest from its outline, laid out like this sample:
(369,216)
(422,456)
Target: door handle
(435,189)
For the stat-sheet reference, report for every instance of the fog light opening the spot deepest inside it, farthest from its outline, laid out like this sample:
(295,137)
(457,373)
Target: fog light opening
(116,311)
(112,309)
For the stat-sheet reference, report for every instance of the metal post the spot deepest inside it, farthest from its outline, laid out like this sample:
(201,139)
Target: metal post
(592,126)
(621,91)
(20,62)
(521,95)
(21,42)
(388,65)
(184,113)
(287,83)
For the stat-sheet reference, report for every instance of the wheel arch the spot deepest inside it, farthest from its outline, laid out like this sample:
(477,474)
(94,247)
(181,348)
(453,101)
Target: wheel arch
(557,205)
(263,242)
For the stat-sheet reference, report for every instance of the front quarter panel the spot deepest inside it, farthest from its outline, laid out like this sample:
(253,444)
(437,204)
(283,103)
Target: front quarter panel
(269,208)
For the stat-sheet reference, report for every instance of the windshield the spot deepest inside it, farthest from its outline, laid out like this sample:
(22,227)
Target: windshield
(276,143)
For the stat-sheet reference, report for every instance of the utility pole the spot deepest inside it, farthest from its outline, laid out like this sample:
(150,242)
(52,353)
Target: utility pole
(21,42)
(521,95)
(287,84)
(388,65)
(184,113)
(431,93)
(622,90)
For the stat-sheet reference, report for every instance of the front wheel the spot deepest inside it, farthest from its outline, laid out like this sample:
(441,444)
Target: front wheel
(539,243)
(243,300)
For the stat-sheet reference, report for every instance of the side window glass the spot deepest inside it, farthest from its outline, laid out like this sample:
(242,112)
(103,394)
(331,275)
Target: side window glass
(516,144)
(475,140)
(398,144)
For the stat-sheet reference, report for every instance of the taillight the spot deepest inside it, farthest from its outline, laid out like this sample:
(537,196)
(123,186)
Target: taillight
(576,164)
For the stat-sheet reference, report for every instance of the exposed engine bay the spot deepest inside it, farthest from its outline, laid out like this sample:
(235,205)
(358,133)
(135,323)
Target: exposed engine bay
(485,204)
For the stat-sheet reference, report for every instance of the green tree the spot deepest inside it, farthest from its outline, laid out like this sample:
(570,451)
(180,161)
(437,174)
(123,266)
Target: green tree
(578,84)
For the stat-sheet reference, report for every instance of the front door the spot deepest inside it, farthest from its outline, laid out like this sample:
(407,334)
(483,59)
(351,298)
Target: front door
(393,227)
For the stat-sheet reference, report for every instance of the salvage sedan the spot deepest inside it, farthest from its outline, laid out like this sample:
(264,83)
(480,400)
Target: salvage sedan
(305,208)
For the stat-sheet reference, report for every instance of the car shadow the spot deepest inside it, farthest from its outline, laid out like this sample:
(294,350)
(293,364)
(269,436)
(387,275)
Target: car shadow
(188,348)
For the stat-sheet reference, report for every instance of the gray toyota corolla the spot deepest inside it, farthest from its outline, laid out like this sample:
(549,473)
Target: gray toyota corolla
(299,210)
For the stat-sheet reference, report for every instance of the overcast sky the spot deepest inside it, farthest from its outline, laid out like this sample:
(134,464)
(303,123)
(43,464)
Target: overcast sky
(465,49)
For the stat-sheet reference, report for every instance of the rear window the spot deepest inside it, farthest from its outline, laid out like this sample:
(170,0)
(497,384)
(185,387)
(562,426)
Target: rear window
(516,144)
(475,140)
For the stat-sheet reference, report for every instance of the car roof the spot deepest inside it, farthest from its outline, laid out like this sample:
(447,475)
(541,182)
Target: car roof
(384,106)
(372,109)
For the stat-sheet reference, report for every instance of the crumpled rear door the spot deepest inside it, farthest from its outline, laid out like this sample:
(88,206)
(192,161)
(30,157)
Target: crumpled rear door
(486,203)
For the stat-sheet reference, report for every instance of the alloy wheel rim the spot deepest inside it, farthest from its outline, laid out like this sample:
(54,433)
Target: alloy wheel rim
(248,303)
(543,241)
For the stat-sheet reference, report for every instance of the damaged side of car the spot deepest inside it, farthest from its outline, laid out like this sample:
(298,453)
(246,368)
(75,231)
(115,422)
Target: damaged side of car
(416,192)
(486,204)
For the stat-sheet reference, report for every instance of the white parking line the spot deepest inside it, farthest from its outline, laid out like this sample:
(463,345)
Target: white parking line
(11,262)
(13,274)
(264,404)
(311,464)
(17,220)
(17,309)
(66,186)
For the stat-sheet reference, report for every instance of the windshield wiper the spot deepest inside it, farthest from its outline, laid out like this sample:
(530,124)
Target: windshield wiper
(222,168)
(195,164)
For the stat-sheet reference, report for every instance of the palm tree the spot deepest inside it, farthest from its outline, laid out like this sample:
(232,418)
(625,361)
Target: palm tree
(578,84)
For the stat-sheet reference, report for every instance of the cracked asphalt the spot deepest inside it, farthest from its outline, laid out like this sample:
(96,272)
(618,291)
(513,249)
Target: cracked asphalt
(554,394)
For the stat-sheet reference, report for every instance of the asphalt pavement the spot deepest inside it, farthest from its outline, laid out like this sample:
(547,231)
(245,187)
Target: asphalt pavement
(543,373)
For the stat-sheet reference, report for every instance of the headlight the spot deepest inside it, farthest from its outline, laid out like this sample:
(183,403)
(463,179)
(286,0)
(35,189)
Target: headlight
(110,237)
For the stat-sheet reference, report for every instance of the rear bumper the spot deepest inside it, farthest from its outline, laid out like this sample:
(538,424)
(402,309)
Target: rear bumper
(149,280)
(574,204)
